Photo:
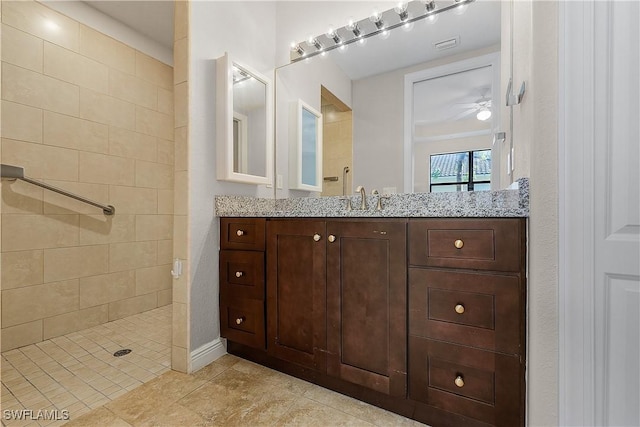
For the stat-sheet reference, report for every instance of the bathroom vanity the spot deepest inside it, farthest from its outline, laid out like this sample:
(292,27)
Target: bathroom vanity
(421,315)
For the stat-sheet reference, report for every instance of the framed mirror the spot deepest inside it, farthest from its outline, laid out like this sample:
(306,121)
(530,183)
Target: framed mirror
(244,115)
(305,155)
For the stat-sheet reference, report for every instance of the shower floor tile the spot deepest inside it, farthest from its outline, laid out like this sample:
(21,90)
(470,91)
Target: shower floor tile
(78,372)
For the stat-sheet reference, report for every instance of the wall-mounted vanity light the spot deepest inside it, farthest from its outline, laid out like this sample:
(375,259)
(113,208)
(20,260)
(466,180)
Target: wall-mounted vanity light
(378,23)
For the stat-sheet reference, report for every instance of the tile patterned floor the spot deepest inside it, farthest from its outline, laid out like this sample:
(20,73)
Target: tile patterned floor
(78,372)
(235,392)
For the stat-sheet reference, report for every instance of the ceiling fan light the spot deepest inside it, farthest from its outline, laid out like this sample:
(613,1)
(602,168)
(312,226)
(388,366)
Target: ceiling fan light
(483,114)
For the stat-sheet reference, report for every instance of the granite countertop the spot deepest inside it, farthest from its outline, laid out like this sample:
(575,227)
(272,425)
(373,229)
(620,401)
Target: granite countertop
(475,204)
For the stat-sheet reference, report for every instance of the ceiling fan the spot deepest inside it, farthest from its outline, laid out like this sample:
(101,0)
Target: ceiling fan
(481,108)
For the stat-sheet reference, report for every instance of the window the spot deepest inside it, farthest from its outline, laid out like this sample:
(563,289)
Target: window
(450,172)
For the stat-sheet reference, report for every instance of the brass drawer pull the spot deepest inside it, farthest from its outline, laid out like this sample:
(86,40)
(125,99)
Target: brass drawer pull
(458,244)
(459,381)
(317,237)
(239,274)
(240,233)
(332,238)
(240,320)
(459,308)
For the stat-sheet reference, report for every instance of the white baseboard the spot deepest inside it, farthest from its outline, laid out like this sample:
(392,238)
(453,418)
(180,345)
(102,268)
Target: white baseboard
(203,355)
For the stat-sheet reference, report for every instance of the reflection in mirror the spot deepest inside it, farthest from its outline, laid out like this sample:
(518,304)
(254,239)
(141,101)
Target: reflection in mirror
(305,156)
(244,115)
(369,80)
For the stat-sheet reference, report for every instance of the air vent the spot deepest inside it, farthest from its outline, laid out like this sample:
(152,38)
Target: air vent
(447,44)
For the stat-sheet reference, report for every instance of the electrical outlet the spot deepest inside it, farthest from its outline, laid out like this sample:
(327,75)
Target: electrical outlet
(279,182)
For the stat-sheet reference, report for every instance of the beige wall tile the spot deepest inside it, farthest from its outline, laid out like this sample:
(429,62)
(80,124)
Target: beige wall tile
(180,60)
(165,101)
(133,89)
(153,175)
(22,232)
(181,104)
(154,123)
(179,359)
(31,303)
(29,17)
(105,288)
(107,50)
(179,329)
(74,68)
(21,122)
(164,297)
(165,151)
(129,256)
(21,49)
(131,306)
(154,227)
(79,261)
(126,143)
(41,161)
(181,189)
(105,169)
(154,71)
(101,229)
(71,132)
(55,203)
(22,268)
(75,321)
(180,236)
(37,90)
(152,279)
(181,145)
(21,335)
(131,200)
(107,109)
(181,19)
(165,252)
(21,197)
(165,201)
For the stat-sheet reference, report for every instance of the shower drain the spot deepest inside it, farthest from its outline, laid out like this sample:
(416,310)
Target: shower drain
(122,352)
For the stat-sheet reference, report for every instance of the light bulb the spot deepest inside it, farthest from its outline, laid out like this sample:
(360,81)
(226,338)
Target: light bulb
(376,18)
(401,10)
(483,114)
(354,28)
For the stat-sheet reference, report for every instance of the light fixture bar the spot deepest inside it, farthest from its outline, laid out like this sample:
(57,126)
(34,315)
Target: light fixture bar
(343,42)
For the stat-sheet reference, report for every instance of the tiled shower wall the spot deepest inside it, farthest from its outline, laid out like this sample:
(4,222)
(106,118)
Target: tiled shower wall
(89,114)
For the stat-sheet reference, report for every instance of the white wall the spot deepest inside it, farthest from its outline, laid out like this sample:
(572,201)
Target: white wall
(246,30)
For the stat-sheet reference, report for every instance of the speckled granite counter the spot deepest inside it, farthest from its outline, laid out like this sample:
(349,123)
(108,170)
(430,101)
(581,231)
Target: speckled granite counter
(476,204)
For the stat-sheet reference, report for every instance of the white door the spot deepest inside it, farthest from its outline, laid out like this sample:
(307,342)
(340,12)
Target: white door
(600,214)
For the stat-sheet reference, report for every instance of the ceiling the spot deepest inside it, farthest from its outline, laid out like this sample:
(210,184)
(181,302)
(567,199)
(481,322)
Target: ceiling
(152,18)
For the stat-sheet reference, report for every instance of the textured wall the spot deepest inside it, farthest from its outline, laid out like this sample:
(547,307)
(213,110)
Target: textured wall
(89,114)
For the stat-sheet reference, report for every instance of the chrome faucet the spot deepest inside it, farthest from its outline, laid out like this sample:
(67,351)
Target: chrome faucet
(363,195)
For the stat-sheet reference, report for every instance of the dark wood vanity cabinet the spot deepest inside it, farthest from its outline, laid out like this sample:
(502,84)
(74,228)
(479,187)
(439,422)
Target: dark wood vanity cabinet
(467,299)
(424,317)
(242,280)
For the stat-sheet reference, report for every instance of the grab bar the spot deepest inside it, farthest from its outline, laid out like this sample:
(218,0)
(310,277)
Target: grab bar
(17,172)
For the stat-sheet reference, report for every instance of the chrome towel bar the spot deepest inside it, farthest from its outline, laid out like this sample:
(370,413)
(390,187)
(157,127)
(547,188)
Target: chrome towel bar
(17,172)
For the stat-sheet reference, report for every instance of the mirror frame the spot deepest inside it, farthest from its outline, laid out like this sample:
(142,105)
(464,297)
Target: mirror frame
(224,124)
(295,148)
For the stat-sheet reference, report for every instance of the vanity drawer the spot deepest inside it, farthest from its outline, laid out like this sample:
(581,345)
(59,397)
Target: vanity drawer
(242,321)
(470,308)
(242,274)
(475,383)
(481,244)
(242,233)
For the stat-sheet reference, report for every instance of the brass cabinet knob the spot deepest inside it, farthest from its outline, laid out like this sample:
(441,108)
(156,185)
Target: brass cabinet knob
(332,238)
(317,237)
(458,244)
(239,320)
(459,381)
(459,308)
(240,233)
(239,274)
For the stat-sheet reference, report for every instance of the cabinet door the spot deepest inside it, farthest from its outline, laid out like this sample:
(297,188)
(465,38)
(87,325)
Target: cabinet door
(366,304)
(296,291)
